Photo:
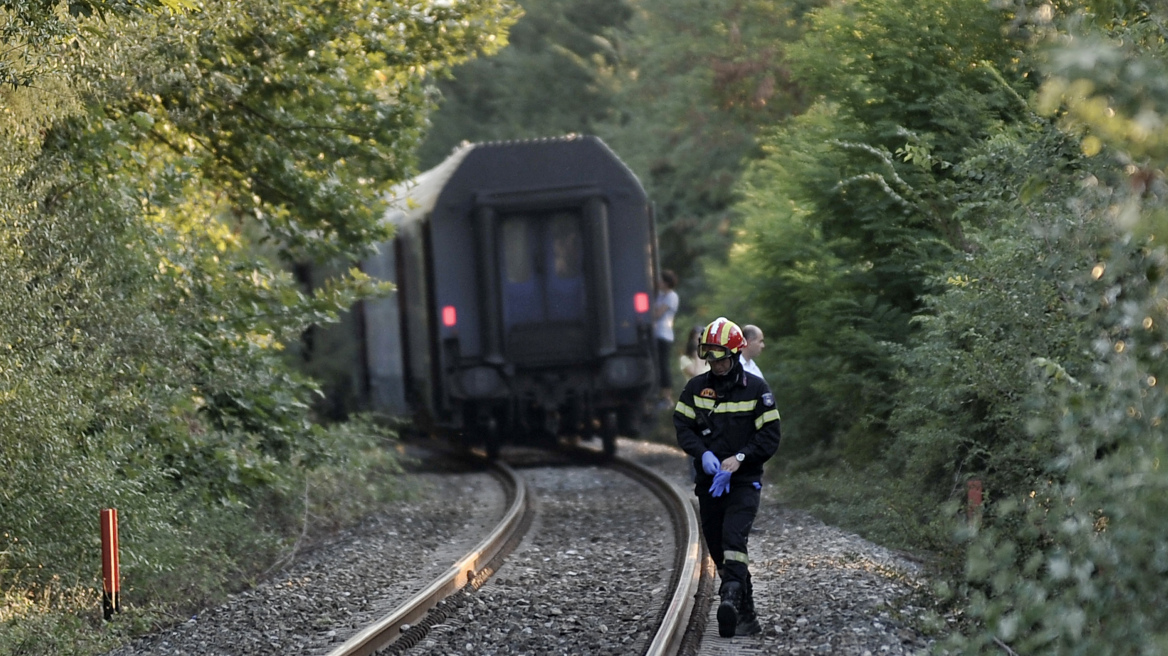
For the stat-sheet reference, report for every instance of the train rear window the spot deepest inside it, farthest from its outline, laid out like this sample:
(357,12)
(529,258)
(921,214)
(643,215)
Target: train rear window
(543,244)
(516,251)
(567,254)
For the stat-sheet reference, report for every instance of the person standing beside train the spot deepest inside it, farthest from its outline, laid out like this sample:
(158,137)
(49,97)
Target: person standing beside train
(691,365)
(727,421)
(664,309)
(754,346)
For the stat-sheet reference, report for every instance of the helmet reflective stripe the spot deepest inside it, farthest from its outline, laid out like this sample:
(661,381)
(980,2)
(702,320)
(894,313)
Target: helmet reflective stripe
(722,332)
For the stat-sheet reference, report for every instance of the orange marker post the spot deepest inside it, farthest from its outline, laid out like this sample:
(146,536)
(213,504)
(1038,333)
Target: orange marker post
(110,577)
(973,492)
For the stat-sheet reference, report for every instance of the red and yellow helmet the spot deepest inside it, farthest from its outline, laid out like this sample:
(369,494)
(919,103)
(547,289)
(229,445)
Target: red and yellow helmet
(721,339)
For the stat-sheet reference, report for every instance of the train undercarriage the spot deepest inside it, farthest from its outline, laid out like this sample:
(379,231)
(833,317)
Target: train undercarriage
(530,420)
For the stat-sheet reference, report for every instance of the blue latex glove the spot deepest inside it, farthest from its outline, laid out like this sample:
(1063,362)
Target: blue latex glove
(710,463)
(721,484)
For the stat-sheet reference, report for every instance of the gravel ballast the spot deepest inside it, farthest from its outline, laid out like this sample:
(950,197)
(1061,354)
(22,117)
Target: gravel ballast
(817,589)
(347,582)
(589,578)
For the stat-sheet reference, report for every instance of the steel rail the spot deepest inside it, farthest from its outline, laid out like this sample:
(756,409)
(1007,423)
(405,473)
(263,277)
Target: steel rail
(687,559)
(382,633)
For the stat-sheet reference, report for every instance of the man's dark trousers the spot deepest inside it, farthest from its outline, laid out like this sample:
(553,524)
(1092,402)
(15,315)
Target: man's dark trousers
(726,523)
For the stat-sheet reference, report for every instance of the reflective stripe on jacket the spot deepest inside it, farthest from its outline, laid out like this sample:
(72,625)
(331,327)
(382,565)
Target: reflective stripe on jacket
(741,417)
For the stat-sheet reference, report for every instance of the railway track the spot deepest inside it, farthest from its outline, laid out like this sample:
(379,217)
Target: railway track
(439,604)
(595,572)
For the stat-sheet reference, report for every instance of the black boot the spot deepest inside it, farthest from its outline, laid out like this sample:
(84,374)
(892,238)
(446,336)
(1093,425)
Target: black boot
(747,619)
(728,609)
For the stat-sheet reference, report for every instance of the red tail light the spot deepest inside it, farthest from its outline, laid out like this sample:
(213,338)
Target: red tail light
(449,316)
(641,302)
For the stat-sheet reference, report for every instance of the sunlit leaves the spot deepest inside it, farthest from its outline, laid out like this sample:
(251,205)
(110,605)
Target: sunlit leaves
(1073,555)
(302,114)
(32,32)
(153,185)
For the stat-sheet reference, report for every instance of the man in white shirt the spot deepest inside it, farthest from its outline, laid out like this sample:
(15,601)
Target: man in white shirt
(664,310)
(754,346)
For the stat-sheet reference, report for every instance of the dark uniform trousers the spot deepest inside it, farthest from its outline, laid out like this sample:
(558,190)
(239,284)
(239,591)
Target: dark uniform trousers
(726,523)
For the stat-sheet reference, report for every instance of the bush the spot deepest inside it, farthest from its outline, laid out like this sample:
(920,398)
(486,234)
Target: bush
(186,555)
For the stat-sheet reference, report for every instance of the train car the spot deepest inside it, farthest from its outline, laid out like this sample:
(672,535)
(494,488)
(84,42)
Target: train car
(525,272)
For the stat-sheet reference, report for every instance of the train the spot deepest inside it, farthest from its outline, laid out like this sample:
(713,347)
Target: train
(525,273)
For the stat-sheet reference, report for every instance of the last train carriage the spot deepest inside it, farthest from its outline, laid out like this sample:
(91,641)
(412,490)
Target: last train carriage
(525,272)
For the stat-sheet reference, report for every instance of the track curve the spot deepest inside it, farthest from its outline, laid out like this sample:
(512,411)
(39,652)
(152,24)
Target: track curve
(687,561)
(476,565)
(406,626)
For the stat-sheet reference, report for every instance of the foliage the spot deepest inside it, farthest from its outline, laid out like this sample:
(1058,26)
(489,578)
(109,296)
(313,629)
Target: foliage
(701,79)
(43,631)
(852,214)
(77,368)
(300,115)
(556,76)
(871,502)
(798,281)
(154,184)
(1076,565)
(1033,357)
(1001,312)
(31,31)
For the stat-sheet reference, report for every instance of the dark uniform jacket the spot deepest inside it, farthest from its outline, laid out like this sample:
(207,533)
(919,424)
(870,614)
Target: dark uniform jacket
(739,411)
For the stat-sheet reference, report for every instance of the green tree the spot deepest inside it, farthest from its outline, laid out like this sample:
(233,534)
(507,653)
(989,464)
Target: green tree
(701,78)
(303,114)
(556,76)
(1066,568)
(32,30)
(1001,319)
(853,211)
(154,184)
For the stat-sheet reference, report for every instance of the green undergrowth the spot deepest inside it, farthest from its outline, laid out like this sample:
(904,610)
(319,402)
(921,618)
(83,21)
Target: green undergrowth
(205,553)
(877,508)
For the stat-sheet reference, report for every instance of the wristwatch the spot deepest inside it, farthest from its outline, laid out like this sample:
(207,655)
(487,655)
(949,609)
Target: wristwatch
(740,457)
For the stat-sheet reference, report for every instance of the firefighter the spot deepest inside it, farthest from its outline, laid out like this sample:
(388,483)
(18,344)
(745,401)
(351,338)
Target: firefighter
(728,422)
